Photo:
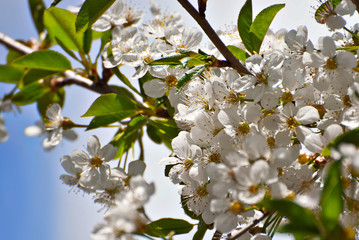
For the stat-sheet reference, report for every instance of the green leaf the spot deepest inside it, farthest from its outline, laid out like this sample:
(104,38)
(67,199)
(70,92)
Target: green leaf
(154,134)
(164,226)
(60,24)
(126,139)
(90,11)
(169,61)
(348,137)
(295,214)
(10,74)
(33,75)
(87,40)
(45,60)
(190,74)
(12,56)
(244,23)
(124,79)
(110,108)
(55,2)
(166,129)
(238,53)
(29,94)
(50,98)
(68,51)
(261,24)
(331,200)
(37,8)
(201,231)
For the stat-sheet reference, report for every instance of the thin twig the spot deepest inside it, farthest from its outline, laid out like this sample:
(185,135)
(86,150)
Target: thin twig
(248,227)
(70,77)
(212,35)
(217,235)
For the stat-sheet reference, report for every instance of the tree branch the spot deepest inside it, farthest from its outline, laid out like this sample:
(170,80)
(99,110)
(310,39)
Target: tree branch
(212,35)
(71,77)
(356,2)
(248,227)
(217,235)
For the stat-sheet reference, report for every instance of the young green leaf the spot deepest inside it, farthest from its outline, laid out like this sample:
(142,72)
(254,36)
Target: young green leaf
(238,53)
(90,11)
(110,108)
(244,23)
(331,200)
(169,61)
(10,74)
(124,79)
(37,8)
(201,231)
(124,140)
(190,74)
(87,40)
(33,75)
(164,226)
(60,24)
(44,60)
(50,98)
(295,214)
(348,137)
(29,94)
(261,24)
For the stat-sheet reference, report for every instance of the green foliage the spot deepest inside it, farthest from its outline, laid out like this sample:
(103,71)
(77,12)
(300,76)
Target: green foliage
(60,25)
(348,137)
(202,228)
(124,79)
(90,11)
(244,23)
(110,108)
(166,226)
(164,129)
(49,98)
(44,60)
(252,33)
(33,75)
(238,53)
(30,94)
(190,74)
(124,140)
(10,74)
(302,221)
(331,199)
(37,8)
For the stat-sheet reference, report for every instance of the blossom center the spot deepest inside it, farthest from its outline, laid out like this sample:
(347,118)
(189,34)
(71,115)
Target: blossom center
(331,64)
(243,129)
(188,163)
(215,157)
(287,97)
(237,207)
(171,80)
(96,162)
(292,123)
(201,191)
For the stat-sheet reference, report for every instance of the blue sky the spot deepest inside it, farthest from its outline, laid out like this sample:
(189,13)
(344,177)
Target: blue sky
(33,202)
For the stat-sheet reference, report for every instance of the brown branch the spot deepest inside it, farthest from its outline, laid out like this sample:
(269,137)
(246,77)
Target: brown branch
(356,3)
(71,77)
(217,235)
(248,227)
(212,35)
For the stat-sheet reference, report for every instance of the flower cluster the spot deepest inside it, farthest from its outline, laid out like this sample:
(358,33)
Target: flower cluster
(243,138)
(251,137)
